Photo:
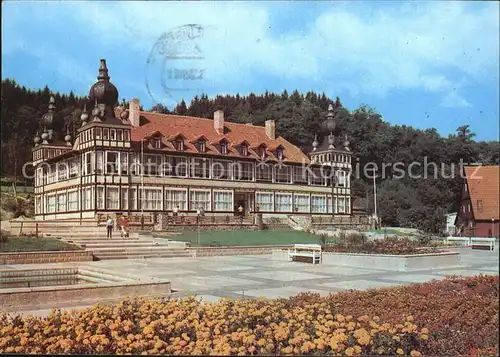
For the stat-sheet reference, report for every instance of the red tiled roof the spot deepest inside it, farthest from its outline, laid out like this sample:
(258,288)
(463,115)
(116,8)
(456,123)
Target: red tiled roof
(483,183)
(192,127)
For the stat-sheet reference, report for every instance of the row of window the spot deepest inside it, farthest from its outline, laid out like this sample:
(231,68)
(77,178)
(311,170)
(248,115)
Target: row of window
(330,157)
(105,134)
(123,163)
(114,198)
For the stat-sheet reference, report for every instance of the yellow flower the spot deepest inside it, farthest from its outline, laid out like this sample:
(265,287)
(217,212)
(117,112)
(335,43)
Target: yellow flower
(424,336)
(340,317)
(399,351)
(409,318)
(349,351)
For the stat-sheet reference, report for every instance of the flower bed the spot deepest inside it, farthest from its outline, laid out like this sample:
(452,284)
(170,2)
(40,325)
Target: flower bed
(451,317)
(388,245)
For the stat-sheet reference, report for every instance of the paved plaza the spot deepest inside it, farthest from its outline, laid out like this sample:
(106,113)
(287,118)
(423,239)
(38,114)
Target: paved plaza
(259,276)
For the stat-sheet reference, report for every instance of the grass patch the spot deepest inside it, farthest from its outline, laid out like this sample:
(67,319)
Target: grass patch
(244,237)
(33,244)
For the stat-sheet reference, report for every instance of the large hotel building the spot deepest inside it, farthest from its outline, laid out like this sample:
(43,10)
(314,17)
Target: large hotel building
(127,161)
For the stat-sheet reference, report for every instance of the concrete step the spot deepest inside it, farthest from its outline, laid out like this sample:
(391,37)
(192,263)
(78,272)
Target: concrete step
(93,246)
(159,248)
(100,239)
(142,255)
(101,233)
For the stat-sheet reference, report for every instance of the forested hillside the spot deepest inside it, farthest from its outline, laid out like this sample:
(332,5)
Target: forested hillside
(409,202)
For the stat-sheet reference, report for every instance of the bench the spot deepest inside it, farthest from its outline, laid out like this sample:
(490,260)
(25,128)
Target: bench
(483,243)
(312,251)
(461,240)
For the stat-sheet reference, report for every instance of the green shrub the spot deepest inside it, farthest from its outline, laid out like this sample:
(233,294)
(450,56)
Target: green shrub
(3,236)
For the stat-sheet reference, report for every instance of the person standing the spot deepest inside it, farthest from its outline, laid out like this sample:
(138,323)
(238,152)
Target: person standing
(109,226)
(176,211)
(241,213)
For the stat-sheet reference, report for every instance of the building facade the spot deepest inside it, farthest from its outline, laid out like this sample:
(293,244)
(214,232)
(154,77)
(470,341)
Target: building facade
(478,215)
(127,161)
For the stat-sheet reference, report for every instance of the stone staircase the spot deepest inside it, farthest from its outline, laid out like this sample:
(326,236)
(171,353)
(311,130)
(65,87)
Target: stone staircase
(135,246)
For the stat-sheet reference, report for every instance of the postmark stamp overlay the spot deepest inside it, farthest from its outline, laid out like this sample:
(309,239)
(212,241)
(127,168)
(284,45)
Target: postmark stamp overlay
(174,67)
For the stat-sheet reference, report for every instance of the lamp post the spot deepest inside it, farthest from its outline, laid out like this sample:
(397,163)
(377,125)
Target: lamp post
(375,198)
(332,173)
(142,183)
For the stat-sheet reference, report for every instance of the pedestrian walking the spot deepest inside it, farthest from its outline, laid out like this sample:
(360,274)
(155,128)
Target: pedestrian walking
(109,226)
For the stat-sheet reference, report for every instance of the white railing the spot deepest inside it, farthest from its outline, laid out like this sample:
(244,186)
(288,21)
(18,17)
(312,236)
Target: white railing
(482,243)
(460,240)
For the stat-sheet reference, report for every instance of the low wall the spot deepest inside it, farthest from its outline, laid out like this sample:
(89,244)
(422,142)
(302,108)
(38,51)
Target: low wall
(243,250)
(17,299)
(393,262)
(46,257)
(383,261)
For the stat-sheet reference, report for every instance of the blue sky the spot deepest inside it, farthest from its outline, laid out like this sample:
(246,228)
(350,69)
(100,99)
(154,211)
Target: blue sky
(425,64)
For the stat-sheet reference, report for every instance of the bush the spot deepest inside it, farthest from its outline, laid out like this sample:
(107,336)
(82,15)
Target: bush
(356,243)
(4,236)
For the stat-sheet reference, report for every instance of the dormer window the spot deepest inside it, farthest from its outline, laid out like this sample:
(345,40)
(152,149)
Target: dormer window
(262,152)
(244,150)
(179,144)
(156,143)
(279,153)
(223,148)
(200,145)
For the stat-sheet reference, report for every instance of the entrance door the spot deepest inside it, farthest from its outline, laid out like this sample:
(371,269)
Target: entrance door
(240,199)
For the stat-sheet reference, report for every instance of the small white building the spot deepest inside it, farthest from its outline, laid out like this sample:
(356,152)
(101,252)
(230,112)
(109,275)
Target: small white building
(450,228)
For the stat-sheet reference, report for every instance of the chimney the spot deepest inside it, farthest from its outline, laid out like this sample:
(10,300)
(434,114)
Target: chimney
(271,129)
(219,121)
(133,109)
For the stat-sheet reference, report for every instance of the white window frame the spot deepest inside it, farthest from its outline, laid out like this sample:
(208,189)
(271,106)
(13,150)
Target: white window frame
(51,203)
(133,198)
(316,206)
(124,198)
(62,171)
(259,204)
(123,170)
(171,203)
(88,198)
(116,171)
(227,205)
(72,205)
(288,207)
(301,208)
(112,203)
(62,204)
(99,194)
(194,205)
(155,168)
(227,168)
(341,204)
(156,201)
(205,162)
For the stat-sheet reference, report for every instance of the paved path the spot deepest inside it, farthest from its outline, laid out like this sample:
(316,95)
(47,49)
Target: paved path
(259,276)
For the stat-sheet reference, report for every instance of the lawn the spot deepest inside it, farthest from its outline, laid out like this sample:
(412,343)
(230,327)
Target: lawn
(33,244)
(244,237)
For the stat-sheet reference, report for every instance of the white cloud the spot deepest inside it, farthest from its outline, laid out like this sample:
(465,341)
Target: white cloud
(455,100)
(428,46)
